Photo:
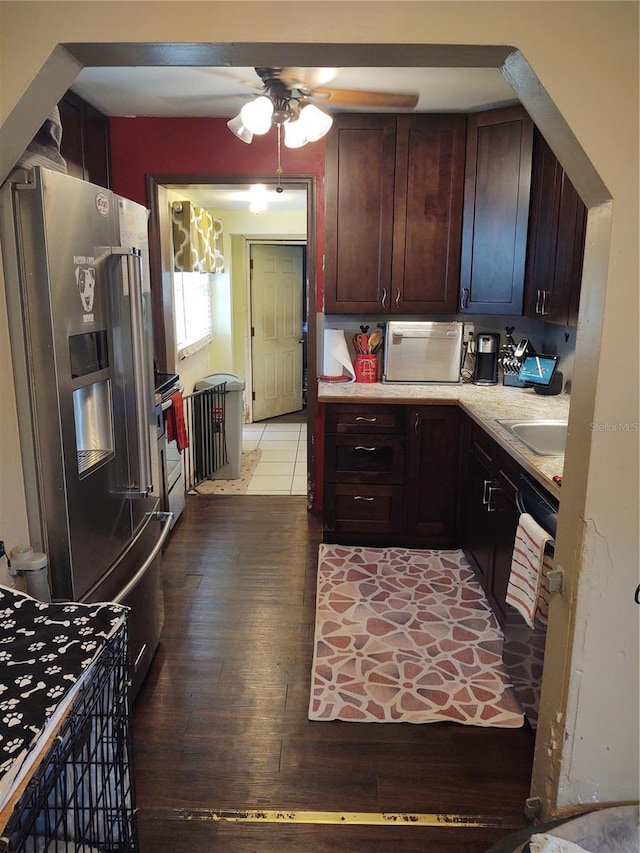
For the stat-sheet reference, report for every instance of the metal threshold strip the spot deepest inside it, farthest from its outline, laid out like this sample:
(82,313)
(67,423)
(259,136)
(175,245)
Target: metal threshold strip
(300,816)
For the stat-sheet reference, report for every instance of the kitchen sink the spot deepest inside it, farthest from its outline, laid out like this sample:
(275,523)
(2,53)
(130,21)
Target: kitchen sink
(546,438)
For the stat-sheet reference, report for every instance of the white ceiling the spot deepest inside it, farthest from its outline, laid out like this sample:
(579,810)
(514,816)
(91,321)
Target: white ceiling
(222,91)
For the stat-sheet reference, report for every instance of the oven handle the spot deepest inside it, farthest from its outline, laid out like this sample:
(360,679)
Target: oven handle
(543,512)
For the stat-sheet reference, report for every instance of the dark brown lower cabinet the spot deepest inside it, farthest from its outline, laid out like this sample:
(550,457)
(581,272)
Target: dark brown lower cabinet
(489,516)
(421,477)
(390,475)
(431,484)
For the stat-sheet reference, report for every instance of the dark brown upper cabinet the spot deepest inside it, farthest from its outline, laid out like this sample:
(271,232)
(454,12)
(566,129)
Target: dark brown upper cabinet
(85,140)
(394,214)
(556,241)
(496,211)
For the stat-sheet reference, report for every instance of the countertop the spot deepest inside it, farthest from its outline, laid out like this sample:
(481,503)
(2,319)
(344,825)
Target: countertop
(483,404)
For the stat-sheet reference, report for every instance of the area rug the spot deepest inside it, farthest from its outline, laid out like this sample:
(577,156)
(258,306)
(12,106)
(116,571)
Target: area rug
(249,463)
(406,636)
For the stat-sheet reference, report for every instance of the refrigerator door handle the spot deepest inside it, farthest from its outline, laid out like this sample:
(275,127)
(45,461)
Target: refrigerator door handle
(165,518)
(141,388)
(140,377)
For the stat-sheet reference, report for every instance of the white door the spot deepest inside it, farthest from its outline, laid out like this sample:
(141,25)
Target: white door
(276,321)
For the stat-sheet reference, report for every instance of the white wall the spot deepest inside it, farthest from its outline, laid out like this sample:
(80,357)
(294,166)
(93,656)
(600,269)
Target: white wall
(585,56)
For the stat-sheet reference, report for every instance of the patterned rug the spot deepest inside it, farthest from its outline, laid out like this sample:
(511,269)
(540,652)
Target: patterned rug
(406,636)
(249,464)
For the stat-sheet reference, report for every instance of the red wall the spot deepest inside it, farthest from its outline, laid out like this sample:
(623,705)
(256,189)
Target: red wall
(206,146)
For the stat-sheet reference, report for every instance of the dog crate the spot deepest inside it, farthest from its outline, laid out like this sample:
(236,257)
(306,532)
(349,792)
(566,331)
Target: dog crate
(81,799)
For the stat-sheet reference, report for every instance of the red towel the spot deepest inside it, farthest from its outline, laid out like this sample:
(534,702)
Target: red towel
(176,425)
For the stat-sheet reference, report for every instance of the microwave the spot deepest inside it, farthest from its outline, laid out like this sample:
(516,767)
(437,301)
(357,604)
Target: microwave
(422,352)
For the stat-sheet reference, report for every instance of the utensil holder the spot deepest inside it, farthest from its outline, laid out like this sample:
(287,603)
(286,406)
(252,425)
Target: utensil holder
(366,368)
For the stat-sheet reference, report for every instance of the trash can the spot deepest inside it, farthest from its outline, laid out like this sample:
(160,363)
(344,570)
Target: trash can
(233,418)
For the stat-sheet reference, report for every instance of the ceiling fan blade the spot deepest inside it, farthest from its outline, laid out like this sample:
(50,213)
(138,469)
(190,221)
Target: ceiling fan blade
(305,78)
(360,98)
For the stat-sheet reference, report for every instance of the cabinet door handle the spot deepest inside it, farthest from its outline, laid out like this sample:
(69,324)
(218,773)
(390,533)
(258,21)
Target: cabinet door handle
(384,297)
(398,294)
(368,449)
(362,498)
(464,298)
(490,492)
(416,423)
(544,303)
(485,491)
(368,420)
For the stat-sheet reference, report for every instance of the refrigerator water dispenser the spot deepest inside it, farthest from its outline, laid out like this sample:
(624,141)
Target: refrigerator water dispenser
(93,415)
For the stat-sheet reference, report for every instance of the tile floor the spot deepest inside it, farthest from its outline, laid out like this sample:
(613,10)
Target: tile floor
(282,469)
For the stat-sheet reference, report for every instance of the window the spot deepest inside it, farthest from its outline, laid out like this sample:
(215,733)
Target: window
(192,311)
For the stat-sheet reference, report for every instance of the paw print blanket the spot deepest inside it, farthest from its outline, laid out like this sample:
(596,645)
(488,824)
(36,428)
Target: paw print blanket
(44,651)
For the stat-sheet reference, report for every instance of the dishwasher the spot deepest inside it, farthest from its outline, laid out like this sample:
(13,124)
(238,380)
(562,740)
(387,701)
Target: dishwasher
(523,652)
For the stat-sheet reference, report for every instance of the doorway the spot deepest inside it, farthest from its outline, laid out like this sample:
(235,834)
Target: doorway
(289,225)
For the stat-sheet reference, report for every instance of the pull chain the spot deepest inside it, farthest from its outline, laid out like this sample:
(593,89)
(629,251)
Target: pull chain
(279,188)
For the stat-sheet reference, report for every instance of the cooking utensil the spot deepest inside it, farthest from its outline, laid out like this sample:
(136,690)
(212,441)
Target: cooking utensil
(375,339)
(363,343)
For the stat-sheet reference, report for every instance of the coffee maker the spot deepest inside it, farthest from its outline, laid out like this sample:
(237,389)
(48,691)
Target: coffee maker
(487,350)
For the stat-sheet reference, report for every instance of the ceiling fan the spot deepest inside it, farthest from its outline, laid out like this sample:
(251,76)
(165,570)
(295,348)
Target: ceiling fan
(289,97)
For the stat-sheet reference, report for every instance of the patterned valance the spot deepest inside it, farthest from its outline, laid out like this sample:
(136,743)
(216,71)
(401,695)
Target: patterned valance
(197,239)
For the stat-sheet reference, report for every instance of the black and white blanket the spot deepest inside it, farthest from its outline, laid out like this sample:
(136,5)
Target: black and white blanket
(44,651)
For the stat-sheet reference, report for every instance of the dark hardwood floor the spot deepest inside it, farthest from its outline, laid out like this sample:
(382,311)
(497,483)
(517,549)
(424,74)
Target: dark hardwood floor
(221,721)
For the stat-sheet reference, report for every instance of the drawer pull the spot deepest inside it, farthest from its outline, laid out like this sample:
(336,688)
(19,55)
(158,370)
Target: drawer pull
(362,498)
(368,420)
(368,449)
(490,492)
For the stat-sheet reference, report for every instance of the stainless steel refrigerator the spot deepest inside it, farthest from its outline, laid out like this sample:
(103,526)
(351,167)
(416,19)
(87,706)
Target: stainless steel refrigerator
(76,270)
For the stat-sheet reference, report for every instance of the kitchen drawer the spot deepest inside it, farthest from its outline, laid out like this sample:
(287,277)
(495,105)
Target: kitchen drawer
(364,459)
(363,418)
(362,509)
(508,474)
(483,446)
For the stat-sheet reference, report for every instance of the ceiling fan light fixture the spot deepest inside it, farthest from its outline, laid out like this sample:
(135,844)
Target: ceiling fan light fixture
(311,125)
(237,127)
(256,115)
(294,135)
(316,123)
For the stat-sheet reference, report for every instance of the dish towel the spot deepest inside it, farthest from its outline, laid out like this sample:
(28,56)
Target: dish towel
(176,425)
(523,591)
